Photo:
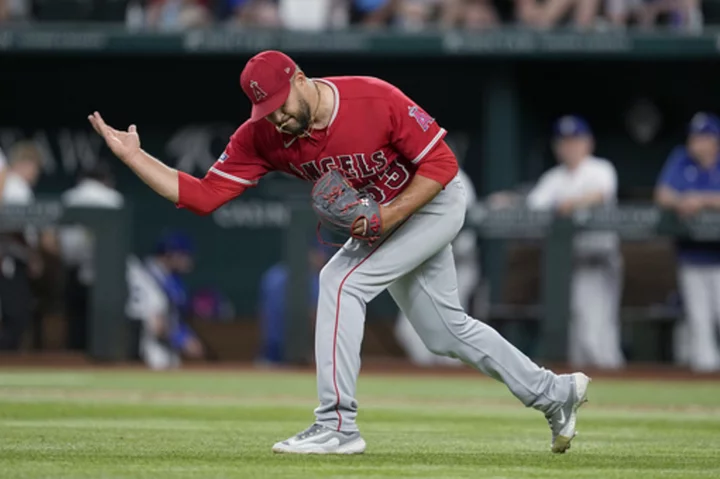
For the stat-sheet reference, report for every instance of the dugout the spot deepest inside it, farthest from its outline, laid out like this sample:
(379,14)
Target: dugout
(495,92)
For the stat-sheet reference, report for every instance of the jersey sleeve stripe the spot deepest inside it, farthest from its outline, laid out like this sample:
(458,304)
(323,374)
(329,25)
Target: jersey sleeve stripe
(230,177)
(430,145)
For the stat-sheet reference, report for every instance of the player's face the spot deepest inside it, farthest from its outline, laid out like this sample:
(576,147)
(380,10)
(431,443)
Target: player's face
(29,170)
(294,116)
(703,148)
(571,151)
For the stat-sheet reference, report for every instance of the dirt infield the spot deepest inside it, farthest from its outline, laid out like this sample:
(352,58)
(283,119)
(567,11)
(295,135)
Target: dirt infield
(66,361)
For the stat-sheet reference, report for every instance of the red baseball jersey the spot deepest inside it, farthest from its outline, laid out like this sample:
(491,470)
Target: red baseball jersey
(377,136)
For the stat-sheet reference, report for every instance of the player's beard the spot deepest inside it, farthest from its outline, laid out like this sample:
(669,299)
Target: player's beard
(302,120)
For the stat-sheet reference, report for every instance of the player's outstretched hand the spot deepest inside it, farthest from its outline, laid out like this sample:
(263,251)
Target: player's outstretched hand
(124,144)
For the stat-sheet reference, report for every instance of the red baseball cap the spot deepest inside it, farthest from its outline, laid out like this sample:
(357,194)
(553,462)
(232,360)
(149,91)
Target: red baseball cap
(266,82)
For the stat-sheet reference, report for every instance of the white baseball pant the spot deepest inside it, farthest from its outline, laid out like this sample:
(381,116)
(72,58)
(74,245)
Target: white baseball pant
(594,330)
(700,288)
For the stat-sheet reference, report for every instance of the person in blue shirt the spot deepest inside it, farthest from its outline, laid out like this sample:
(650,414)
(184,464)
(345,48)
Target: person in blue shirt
(172,259)
(688,184)
(272,304)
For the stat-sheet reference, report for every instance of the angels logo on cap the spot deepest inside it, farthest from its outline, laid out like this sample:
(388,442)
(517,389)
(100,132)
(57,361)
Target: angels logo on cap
(274,71)
(257,91)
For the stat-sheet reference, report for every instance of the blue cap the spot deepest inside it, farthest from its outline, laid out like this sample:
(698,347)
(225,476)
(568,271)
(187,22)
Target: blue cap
(174,242)
(704,124)
(571,125)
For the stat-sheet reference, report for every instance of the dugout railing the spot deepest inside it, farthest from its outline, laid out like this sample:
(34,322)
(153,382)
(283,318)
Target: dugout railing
(554,234)
(632,223)
(112,232)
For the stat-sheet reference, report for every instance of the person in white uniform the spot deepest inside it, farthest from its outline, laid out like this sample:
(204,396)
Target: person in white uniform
(465,253)
(149,306)
(581,181)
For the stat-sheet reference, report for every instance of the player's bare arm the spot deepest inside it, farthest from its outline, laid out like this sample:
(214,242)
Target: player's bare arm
(685,205)
(666,197)
(711,200)
(585,201)
(126,146)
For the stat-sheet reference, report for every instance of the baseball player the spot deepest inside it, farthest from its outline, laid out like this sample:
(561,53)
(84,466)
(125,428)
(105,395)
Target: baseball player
(464,249)
(161,307)
(581,181)
(689,183)
(393,152)
(148,305)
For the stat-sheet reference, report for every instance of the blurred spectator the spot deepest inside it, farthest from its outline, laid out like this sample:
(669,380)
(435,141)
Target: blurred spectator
(421,14)
(373,13)
(13,10)
(622,12)
(413,15)
(4,10)
(525,12)
(678,14)
(135,15)
(681,14)
(548,14)
(18,259)
(178,14)
(94,189)
(273,313)
(313,14)
(160,310)
(688,184)
(478,15)
(416,14)
(263,13)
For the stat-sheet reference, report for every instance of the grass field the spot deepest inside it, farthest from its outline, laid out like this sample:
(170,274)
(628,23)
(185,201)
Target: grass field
(115,424)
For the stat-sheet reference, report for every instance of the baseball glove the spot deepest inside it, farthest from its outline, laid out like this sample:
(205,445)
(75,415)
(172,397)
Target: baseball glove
(340,206)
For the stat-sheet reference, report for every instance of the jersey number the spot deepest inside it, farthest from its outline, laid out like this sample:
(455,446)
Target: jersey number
(394,178)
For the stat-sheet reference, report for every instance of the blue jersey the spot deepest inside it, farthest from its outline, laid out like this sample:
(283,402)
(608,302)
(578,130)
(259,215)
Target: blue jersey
(684,175)
(176,293)
(273,312)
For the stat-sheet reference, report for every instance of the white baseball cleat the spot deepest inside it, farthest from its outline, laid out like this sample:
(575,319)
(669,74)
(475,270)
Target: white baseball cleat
(319,439)
(562,422)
